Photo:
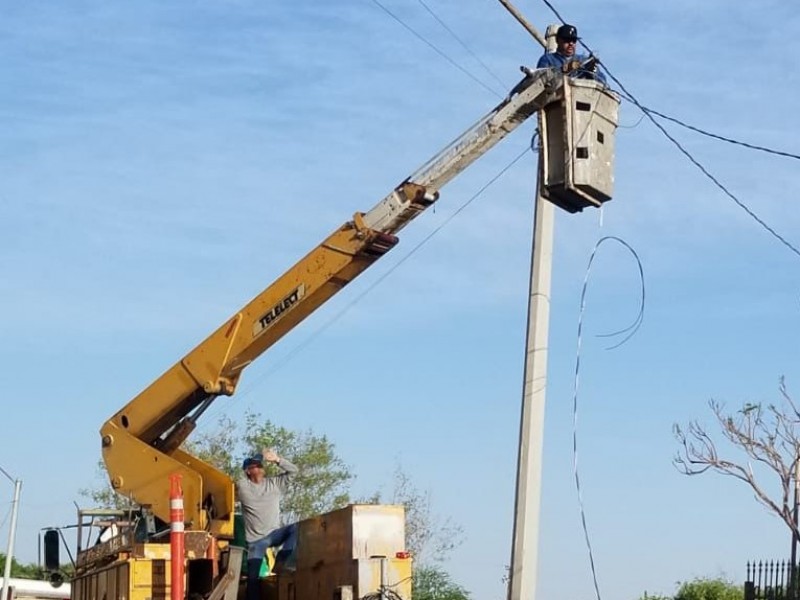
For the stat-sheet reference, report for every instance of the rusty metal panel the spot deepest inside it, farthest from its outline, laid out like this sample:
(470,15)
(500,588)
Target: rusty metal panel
(107,550)
(78,587)
(319,583)
(124,582)
(363,576)
(196,543)
(356,531)
(152,551)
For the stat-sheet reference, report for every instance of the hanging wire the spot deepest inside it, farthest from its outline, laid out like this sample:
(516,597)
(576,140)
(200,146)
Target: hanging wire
(631,329)
(635,326)
(635,125)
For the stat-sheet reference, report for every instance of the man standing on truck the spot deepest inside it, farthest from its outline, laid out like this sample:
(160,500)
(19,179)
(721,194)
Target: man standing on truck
(260,498)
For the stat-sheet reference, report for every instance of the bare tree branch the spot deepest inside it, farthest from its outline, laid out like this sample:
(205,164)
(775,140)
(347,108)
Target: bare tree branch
(767,435)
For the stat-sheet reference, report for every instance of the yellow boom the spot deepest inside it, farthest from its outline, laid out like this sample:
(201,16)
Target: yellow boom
(141,443)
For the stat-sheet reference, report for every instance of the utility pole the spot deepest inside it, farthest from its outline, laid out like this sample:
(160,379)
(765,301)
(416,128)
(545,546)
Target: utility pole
(12,529)
(793,583)
(525,543)
(573,186)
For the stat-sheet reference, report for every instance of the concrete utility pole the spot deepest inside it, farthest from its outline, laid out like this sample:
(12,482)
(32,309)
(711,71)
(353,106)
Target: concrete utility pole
(12,529)
(525,545)
(793,583)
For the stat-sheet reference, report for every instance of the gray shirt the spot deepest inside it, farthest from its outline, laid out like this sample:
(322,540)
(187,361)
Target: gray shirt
(261,501)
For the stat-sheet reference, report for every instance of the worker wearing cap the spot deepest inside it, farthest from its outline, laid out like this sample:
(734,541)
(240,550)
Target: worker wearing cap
(260,498)
(565,57)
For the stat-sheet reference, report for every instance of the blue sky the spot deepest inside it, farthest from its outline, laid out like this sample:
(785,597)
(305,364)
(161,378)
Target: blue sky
(162,164)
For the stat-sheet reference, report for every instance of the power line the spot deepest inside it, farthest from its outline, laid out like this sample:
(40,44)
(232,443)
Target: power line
(292,353)
(555,12)
(5,518)
(685,152)
(721,137)
(647,110)
(703,169)
(463,44)
(321,329)
(437,50)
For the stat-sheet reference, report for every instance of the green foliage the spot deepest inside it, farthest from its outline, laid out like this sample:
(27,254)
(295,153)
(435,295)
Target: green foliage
(104,496)
(22,571)
(321,486)
(323,481)
(703,588)
(709,589)
(433,583)
(220,447)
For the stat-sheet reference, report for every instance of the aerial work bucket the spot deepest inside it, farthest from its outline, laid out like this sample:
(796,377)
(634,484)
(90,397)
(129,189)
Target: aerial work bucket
(578,145)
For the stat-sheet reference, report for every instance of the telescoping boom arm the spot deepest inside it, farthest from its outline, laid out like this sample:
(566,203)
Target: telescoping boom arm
(141,443)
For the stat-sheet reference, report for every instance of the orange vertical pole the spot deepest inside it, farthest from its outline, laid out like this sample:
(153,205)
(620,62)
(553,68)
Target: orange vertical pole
(211,553)
(176,542)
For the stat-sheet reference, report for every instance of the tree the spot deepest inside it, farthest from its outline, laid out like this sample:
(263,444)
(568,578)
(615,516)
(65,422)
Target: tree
(104,496)
(709,589)
(22,571)
(703,588)
(433,583)
(768,436)
(322,484)
(429,537)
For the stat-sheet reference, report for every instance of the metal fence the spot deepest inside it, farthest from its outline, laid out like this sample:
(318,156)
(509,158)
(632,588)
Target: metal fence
(770,580)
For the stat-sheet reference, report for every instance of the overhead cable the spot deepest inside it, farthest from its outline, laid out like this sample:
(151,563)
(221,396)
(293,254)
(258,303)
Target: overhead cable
(394,267)
(685,152)
(320,330)
(648,110)
(703,169)
(437,50)
(463,44)
(721,137)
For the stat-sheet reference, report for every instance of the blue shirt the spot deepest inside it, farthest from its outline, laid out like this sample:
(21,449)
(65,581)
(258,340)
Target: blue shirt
(551,60)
